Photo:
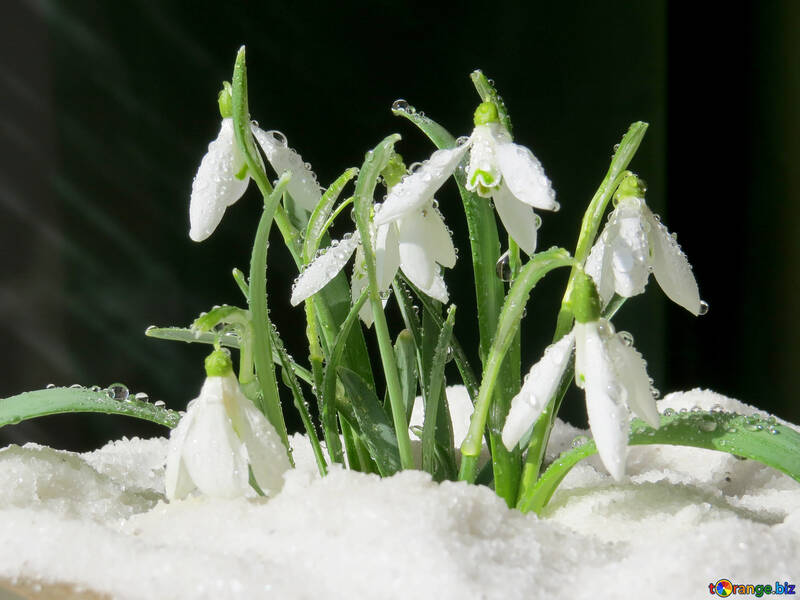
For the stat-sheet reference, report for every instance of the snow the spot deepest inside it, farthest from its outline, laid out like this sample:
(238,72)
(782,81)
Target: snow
(96,525)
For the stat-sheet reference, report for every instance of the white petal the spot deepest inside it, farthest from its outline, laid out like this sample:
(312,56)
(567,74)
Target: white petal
(605,405)
(265,451)
(323,268)
(215,187)
(437,289)
(518,219)
(524,176)
(598,267)
(177,483)
(538,387)
(213,454)
(303,185)
(419,187)
(483,170)
(439,243)
(626,237)
(631,372)
(672,269)
(387,255)
(416,260)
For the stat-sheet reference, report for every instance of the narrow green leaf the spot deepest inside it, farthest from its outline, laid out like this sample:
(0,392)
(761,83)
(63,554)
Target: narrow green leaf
(459,356)
(754,437)
(229,340)
(406,355)
(507,329)
(53,401)
(376,429)
(329,383)
(299,401)
(436,396)
(318,219)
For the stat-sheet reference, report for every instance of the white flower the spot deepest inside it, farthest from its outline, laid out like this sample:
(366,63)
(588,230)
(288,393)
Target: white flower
(614,378)
(417,242)
(633,244)
(221,434)
(508,173)
(222,177)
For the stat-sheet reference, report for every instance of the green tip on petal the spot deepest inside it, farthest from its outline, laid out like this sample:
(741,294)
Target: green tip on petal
(225,100)
(218,364)
(631,186)
(394,171)
(584,302)
(486,113)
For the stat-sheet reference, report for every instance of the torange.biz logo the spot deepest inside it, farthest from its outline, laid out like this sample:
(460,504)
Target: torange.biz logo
(725,588)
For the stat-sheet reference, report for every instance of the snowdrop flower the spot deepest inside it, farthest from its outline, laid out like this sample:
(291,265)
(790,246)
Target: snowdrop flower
(611,372)
(635,243)
(219,437)
(222,176)
(417,242)
(508,173)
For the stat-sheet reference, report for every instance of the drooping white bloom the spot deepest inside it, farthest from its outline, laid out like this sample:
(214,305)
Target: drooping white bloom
(508,173)
(633,244)
(219,437)
(222,177)
(614,378)
(417,242)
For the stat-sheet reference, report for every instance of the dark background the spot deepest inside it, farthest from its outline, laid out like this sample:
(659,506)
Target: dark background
(107,108)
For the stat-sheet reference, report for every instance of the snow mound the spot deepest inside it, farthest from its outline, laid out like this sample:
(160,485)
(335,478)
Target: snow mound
(97,523)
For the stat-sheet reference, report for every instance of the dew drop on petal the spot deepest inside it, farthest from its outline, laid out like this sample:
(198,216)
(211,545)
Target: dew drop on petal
(503,267)
(703,307)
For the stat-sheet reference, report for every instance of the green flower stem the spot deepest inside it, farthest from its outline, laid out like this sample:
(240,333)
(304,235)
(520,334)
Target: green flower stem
(507,331)
(262,346)
(593,217)
(374,163)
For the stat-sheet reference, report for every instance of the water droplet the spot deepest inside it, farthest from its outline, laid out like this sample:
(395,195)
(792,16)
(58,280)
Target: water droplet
(76,386)
(159,403)
(616,147)
(774,430)
(626,338)
(717,408)
(731,429)
(403,105)
(142,397)
(708,423)
(579,441)
(696,409)
(50,386)
(703,307)
(668,412)
(118,391)
(503,267)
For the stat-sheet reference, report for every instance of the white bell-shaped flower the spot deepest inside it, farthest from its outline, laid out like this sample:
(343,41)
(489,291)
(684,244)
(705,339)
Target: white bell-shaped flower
(498,168)
(417,243)
(613,376)
(635,243)
(222,176)
(220,439)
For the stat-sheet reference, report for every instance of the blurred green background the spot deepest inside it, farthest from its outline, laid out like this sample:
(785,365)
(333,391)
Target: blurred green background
(107,108)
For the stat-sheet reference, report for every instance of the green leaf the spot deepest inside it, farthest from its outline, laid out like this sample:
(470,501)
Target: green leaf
(406,355)
(436,397)
(221,314)
(316,223)
(53,401)
(459,356)
(229,340)
(507,328)
(329,382)
(376,428)
(754,437)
